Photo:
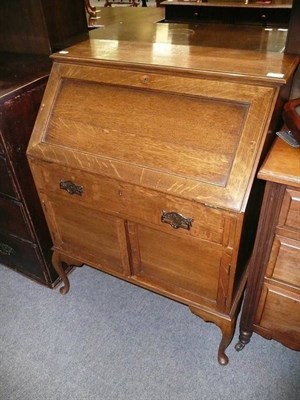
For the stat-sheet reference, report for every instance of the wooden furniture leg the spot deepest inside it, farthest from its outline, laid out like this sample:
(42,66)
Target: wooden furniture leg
(227,327)
(244,338)
(227,334)
(58,265)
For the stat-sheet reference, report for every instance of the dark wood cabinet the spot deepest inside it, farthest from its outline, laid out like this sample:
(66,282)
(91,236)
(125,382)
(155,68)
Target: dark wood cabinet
(41,26)
(25,243)
(293,39)
(30,30)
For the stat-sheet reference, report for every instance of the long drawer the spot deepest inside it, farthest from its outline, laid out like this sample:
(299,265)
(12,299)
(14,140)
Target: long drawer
(13,219)
(278,315)
(22,255)
(284,262)
(289,218)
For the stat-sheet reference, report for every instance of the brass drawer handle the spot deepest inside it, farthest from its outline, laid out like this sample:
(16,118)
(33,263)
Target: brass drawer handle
(6,249)
(71,187)
(176,220)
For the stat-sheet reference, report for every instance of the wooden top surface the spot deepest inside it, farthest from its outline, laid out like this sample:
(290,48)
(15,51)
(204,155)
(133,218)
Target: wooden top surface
(248,52)
(282,164)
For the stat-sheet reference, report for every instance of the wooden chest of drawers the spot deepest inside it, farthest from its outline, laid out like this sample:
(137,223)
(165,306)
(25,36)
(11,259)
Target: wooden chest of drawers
(272,302)
(25,243)
(144,156)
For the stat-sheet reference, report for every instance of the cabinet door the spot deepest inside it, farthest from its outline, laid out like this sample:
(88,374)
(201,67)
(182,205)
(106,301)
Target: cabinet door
(86,234)
(182,266)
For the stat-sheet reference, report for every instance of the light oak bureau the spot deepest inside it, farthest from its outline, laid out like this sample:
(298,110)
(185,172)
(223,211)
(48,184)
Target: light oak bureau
(144,155)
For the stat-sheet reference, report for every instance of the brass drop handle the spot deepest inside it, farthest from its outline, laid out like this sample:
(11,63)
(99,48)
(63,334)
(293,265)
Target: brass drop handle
(176,220)
(71,187)
(6,249)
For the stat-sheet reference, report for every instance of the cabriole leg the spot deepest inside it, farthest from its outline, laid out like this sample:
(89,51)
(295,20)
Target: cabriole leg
(227,334)
(227,326)
(58,265)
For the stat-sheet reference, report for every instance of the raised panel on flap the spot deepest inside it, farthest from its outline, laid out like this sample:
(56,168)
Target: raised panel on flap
(185,135)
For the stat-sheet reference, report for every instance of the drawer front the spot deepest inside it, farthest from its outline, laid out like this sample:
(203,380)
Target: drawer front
(290,212)
(279,313)
(135,203)
(22,256)
(93,237)
(7,186)
(284,262)
(13,219)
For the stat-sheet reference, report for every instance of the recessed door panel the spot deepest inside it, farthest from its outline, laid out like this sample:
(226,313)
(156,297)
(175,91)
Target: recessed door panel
(97,238)
(185,267)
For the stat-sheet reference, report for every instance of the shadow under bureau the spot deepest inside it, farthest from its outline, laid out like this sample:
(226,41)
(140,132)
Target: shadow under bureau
(144,155)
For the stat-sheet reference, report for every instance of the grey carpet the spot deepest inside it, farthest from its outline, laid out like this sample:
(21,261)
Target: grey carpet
(109,340)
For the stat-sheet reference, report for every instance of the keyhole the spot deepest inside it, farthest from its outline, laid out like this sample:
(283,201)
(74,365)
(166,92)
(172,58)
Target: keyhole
(145,79)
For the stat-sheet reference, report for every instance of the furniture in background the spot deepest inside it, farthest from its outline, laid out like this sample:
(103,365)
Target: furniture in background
(229,12)
(41,26)
(293,38)
(272,302)
(29,31)
(130,3)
